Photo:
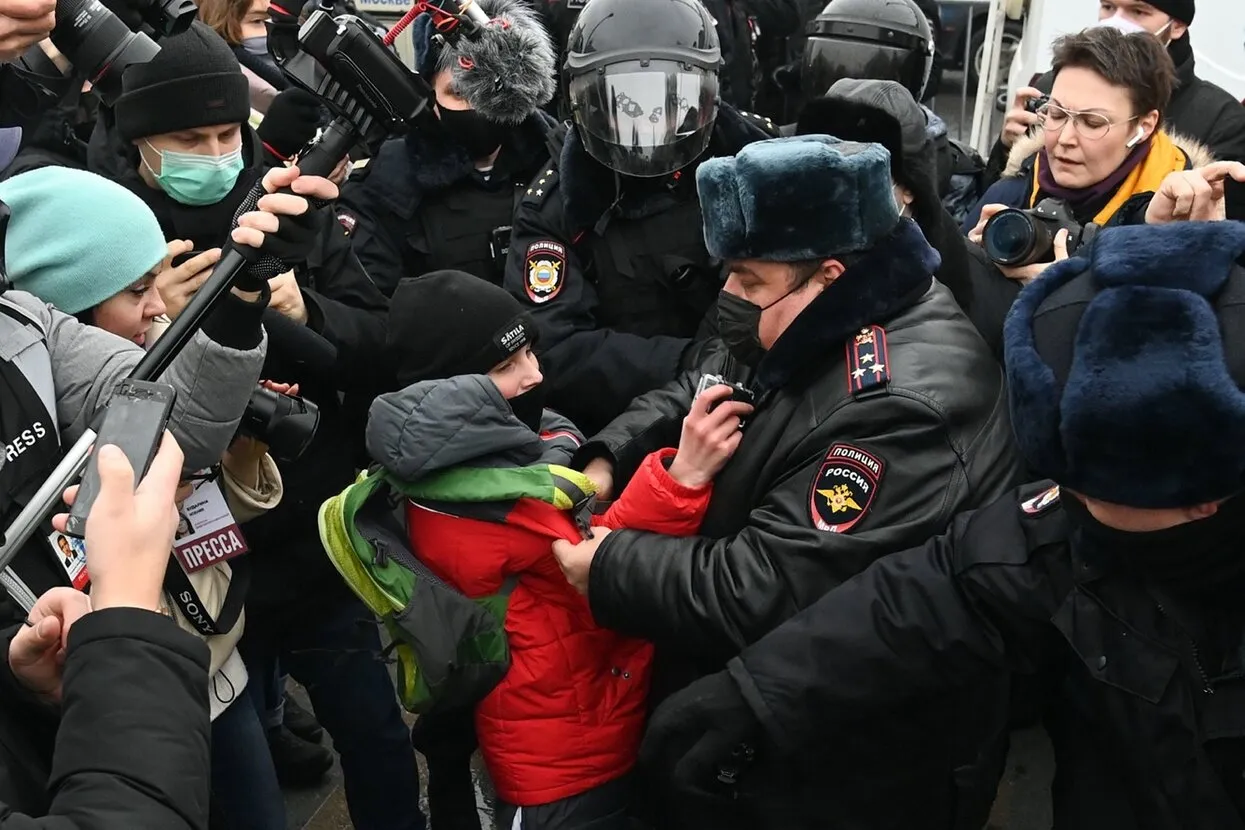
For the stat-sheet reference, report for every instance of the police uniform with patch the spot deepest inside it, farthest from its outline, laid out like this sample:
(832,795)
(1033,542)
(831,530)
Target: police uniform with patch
(880,415)
(619,288)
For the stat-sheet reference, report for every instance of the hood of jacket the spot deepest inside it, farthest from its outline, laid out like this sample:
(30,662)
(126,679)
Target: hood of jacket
(1028,146)
(434,425)
(590,188)
(426,161)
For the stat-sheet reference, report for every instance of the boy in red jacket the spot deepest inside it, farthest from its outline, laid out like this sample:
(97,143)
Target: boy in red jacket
(561,731)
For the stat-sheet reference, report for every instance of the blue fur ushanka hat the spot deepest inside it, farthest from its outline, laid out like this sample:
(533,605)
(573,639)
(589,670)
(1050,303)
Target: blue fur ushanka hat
(801,198)
(1125,368)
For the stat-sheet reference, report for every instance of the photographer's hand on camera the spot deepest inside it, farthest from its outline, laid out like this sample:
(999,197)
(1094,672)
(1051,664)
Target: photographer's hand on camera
(129,531)
(711,434)
(24,23)
(1019,119)
(1194,195)
(1024,274)
(177,285)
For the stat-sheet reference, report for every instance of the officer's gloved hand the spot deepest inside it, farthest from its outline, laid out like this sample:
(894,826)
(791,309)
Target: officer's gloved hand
(292,120)
(703,736)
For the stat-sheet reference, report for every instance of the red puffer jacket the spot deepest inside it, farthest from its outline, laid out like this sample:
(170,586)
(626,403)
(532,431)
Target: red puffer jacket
(569,714)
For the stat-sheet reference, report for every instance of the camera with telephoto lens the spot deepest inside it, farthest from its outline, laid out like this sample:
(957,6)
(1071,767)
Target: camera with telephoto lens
(285,423)
(101,45)
(1016,237)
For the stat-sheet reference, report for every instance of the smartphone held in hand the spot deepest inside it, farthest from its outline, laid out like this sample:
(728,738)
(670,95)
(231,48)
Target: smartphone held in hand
(137,414)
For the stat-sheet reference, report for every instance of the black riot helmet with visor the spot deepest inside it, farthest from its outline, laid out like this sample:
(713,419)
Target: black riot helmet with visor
(641,81)
(883,40)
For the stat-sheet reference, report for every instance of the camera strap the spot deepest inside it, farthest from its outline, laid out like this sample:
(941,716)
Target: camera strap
(193,609)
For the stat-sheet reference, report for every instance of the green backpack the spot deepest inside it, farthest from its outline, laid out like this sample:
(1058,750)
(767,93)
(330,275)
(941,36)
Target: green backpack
(451,650)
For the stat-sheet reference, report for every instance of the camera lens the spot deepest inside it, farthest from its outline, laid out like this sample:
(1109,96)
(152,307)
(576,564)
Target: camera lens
(98,43)
(1014,237)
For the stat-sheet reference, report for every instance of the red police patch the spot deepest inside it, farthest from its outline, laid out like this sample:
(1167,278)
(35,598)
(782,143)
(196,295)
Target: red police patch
(844,488)
(348,221)
(546,264)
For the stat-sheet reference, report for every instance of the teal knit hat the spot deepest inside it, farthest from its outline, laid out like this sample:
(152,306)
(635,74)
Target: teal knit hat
(75,239)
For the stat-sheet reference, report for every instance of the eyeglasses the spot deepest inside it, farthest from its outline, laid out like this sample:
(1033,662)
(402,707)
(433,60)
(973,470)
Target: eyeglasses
(1089,125)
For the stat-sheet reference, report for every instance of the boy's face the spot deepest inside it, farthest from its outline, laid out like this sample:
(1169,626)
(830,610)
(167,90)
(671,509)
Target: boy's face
(517,374)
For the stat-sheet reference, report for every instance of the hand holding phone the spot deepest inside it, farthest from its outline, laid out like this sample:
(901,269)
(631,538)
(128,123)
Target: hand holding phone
(137,414)
(188,270)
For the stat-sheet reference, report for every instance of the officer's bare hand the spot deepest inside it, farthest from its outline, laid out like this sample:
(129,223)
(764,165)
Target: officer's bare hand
(711,434)
(24,23)
(575,559)
(1019,120)
(265,219)
(601,473)
(178,285)
(1194,195)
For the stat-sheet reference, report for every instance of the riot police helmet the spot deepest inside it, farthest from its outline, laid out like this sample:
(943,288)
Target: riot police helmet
(641,82)
(884,40)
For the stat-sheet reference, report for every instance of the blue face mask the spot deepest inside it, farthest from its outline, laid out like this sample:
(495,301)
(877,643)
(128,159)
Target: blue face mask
(197,180)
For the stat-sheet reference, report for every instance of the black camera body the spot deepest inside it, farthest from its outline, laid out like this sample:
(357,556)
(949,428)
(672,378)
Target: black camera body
(1035,104)
(285,423)
(1015,237)
(739,392)
(101,45)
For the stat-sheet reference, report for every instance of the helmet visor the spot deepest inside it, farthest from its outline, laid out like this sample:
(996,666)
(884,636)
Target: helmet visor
(827,60)
(645,119)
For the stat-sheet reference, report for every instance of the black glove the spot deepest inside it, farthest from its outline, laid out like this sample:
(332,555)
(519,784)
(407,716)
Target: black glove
(703,736)
(292,120)
(289,247)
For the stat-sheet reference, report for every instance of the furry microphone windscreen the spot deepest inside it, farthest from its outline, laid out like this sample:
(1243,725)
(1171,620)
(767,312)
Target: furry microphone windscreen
(507,71)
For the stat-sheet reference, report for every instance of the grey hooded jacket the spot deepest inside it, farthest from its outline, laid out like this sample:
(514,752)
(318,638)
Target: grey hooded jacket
(213,382)
(434,425)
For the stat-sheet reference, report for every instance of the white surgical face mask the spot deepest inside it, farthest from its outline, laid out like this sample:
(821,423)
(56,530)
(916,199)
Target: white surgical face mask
(1132,27)
(905,211)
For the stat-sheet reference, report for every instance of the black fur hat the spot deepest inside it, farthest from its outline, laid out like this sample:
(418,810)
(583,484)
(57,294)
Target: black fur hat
(800,198)
(1125,368)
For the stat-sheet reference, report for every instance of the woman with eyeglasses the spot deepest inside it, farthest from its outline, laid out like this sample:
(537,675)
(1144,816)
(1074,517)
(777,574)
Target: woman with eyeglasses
(1100,147)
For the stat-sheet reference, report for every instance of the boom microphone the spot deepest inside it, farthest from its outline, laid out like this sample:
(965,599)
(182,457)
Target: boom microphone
(506,68)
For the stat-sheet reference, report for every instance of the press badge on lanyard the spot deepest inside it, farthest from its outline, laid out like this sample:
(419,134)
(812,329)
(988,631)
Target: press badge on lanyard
(207,534)
(71,553)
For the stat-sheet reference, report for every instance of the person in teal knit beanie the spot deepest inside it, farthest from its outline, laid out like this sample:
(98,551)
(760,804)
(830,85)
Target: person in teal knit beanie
(87,246)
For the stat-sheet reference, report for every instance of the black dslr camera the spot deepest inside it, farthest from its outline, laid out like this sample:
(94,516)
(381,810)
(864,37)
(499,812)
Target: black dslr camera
(102,45)
(1016,237)
(284,422)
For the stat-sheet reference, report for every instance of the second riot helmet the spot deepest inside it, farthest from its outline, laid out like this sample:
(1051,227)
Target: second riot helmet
(884,40)
(641,82)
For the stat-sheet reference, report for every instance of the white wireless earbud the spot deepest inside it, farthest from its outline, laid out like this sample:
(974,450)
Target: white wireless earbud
(1136,139)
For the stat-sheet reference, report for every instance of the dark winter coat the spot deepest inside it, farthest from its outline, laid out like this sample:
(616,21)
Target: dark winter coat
(1146,725)
(618,289)
(829,477)
(346,328)
(131,749)
(420,189)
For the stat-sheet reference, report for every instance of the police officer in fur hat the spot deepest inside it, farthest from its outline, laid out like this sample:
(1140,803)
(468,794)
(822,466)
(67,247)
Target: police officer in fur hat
(607,253)
(444,196)
(879,415)
(1118,582)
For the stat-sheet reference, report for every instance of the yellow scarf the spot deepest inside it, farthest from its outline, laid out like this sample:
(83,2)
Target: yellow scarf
(1164,157)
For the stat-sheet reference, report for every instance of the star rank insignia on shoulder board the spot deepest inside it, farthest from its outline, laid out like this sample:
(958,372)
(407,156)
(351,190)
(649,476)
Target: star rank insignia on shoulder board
(867,361)
(763,122)
(844,488)
(546,262)
(541,186)
(1042,502)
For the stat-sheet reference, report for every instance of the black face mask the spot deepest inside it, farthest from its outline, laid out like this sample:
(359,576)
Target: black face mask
(739,325)
(1197,557)
(477,135)
(530,407)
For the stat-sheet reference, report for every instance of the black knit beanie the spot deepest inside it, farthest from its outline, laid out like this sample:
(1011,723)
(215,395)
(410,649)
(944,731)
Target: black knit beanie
(1181,10)
(449,323)
(195,81)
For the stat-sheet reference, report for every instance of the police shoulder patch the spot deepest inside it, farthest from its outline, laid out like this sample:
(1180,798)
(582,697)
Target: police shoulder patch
(348,221)
(539,188)
(1042,502)
(844,488)
(546,267)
